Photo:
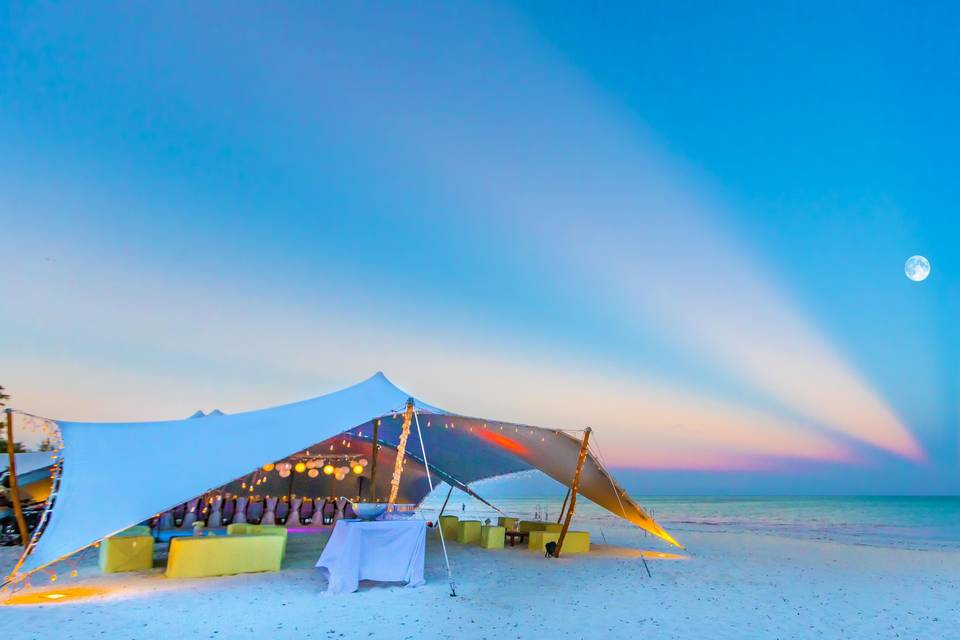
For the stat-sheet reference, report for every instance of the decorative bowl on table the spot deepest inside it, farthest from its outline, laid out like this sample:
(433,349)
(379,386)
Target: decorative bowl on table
(369,510)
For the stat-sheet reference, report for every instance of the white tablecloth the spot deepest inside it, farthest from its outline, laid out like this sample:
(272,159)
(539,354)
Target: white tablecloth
(387,551)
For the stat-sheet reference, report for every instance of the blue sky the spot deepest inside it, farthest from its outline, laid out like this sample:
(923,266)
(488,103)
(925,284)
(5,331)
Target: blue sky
(684,226)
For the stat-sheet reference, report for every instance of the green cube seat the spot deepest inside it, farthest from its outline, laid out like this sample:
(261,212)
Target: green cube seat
(126,553)
(469,531)
(575,542)
(246,529)
(450,526)
(197,557)
(492,537)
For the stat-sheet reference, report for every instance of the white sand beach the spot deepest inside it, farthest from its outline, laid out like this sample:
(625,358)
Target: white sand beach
(732,586)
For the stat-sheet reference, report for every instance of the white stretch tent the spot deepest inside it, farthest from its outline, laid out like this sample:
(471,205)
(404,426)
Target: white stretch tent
(142,468)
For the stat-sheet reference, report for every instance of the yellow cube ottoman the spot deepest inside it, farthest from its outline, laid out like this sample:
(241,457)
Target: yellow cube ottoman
(244,529)
(507,523)
(575,542)
(196,557)
(126,553)
(539,525)
(492,537)
(469,531)
(450,526)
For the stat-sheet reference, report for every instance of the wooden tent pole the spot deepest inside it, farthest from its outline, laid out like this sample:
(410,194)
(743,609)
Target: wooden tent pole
(373,462)
(565,498)
(401,453)
(14,489)
(445,502)
(573,490)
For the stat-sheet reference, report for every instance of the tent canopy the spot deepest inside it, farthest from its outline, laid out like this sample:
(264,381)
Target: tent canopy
(142,468)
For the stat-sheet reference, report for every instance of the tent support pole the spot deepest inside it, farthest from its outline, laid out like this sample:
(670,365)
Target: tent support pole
(373,460)
(573,490)
(14,488)
(565,498)
(445,501)
(443,543)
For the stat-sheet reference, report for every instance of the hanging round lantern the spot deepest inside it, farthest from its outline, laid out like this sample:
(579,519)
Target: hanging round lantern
(363,462)
(327,469)
(358,468)
(311,464)
(268,467)
(284,473)
(313,473)
(300,467)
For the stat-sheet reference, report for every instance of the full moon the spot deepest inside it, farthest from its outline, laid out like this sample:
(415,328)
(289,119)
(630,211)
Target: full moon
(917,268)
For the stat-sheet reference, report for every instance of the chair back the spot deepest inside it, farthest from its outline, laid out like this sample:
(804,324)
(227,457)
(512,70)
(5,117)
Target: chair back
(229,508)
(283,511)
(329,511)
(255,512)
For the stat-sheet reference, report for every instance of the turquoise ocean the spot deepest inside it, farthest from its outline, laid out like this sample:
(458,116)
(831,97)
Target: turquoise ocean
(891,521)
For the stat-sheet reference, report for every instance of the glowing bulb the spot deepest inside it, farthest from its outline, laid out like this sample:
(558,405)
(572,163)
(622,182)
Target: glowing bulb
(357,469)
(268,467)
(300,467)
(327,469)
